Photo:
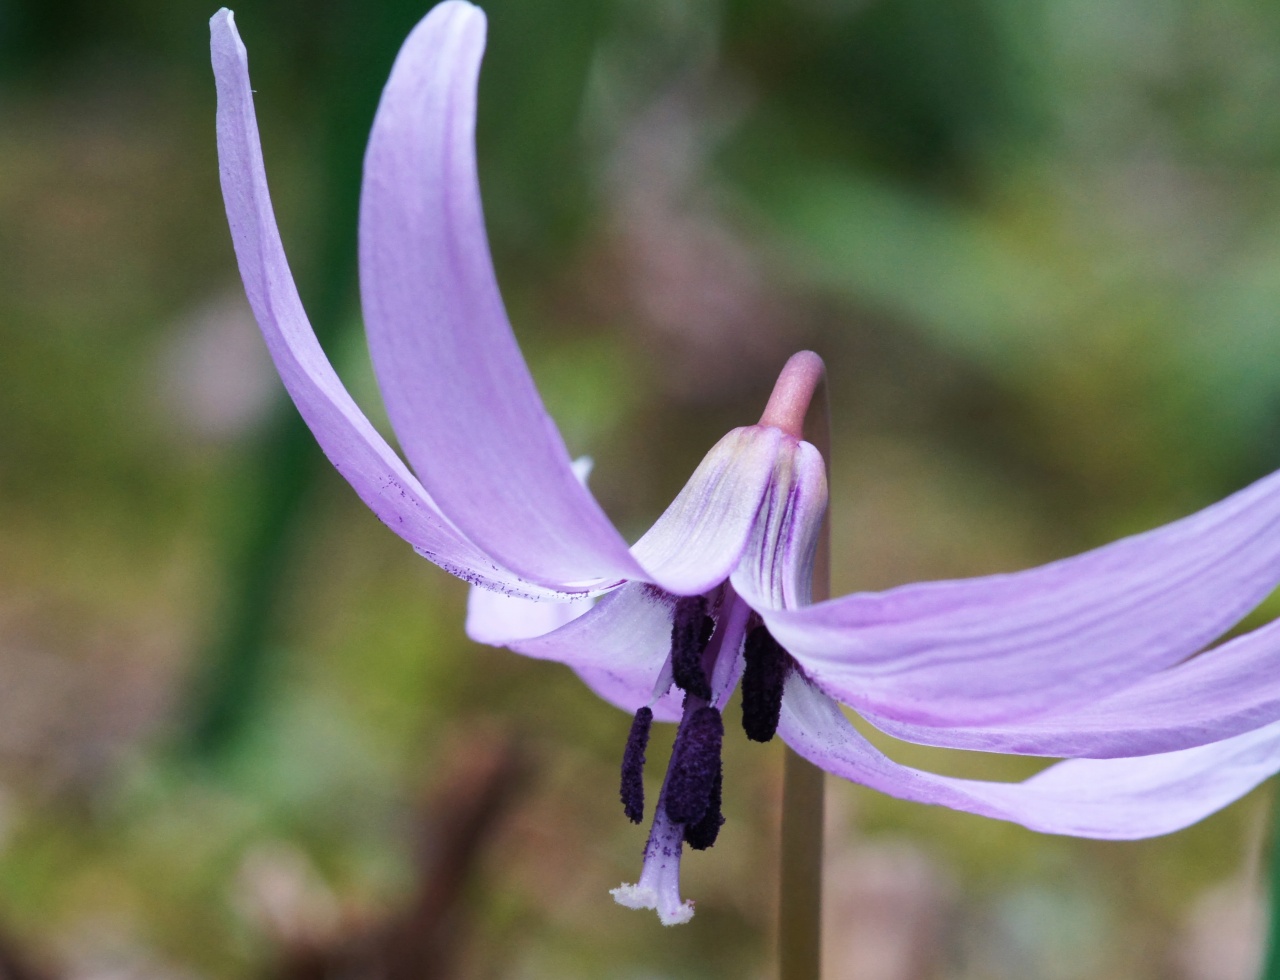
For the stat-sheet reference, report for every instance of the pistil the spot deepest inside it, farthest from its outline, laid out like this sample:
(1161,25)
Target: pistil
(659,884)
(693,781)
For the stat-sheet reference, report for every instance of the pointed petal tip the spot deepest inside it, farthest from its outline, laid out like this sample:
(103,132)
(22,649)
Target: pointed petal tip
(459,12)
(358,451)
(224,42)
(461,7)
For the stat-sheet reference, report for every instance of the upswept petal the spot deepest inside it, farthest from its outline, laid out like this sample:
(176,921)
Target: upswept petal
(776,570)
(351,443)
(701,537)
(1226,691)
(617,648)
(1117,799)
(991,650)
(456,387)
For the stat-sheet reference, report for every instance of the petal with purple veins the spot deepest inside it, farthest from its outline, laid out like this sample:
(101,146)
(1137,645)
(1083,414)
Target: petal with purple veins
(1224,692)
(701,537)
(987,651)
(1115,799)
(776,571)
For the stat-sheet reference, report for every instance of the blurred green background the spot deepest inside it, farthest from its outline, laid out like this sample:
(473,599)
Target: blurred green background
(241,731)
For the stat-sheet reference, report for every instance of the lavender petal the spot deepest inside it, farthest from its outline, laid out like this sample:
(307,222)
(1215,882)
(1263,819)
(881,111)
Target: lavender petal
(1115,799)
(992,650)
(1227,691)
(351,443)
(457,390)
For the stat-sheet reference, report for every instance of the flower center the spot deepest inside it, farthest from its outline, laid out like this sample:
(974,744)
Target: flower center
(715,639)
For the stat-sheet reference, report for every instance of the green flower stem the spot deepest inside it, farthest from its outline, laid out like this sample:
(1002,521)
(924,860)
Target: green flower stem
(800,909)
(1271,965)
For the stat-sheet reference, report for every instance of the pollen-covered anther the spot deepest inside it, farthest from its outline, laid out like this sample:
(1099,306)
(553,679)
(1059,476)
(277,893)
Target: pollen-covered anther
(703,834)
(691,630)
(695,767)
(764,676)
(633,765)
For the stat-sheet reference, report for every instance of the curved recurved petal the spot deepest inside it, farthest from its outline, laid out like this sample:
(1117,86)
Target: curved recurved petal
(701,537)
(618,648)
(776,571)
(1224,692)
(992,650)
(1119,799)
(456,388)
(351,443)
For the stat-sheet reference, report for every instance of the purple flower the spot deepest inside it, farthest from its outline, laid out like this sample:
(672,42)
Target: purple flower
(1093,658)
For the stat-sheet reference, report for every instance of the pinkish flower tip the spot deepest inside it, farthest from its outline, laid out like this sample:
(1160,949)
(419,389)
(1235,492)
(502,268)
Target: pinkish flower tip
(792,393)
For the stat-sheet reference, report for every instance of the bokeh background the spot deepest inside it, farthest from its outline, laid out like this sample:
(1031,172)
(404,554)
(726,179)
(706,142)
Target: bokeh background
(241,731)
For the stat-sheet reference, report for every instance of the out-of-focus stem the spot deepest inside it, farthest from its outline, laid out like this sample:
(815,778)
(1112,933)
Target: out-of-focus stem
(800,893)
(1271,966)
(800,912)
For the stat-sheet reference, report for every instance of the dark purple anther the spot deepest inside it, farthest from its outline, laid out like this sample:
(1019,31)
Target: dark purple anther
(695,766)
(703,834)
(691,630)
(763,677)
(633,766)
(704,634)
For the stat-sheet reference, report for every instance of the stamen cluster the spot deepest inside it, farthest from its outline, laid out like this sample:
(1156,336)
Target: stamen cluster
(692,789)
